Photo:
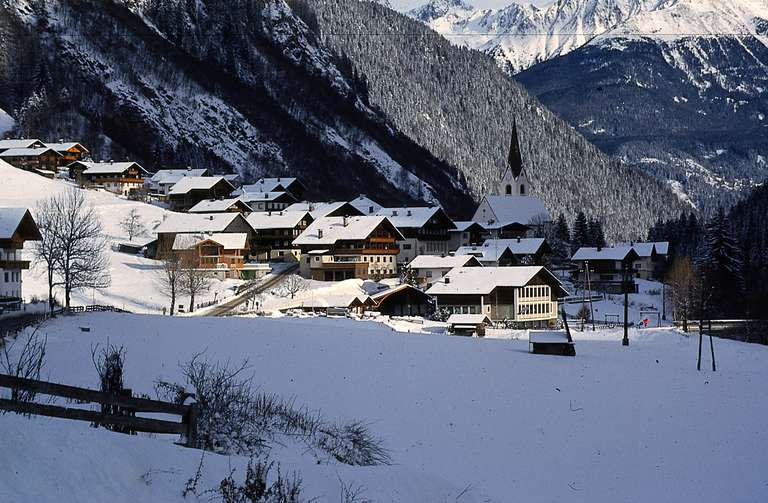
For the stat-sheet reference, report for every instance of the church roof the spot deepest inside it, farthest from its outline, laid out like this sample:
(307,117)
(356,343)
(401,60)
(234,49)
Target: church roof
(515,158)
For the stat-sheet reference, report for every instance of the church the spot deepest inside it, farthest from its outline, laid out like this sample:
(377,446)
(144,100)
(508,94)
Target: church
(512,208)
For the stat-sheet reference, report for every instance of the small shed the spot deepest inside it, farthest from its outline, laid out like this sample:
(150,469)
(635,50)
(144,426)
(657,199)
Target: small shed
(403,300)
(468,324)
(551,342)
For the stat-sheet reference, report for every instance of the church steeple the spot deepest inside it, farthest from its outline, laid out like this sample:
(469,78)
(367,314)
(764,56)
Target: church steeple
(515,159)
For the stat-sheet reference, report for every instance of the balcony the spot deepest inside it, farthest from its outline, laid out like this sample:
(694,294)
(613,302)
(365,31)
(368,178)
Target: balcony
(14,264)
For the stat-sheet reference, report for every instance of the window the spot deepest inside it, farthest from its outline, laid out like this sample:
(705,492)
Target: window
(522,189)
(508,190)
(6,277)
(406,246)
(429,274)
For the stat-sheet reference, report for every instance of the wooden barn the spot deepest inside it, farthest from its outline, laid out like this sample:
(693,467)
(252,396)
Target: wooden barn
(403,300)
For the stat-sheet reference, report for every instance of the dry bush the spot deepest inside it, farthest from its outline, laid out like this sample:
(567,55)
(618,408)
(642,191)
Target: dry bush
(25,361)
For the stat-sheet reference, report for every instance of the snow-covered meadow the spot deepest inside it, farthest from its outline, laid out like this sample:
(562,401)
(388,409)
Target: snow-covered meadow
(465,419)
(134,282)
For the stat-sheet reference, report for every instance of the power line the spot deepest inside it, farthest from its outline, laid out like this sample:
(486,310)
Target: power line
(543,34)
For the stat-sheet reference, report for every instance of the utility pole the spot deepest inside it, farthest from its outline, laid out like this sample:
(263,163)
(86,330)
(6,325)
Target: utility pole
(663,299)
(589,292)
(624,286)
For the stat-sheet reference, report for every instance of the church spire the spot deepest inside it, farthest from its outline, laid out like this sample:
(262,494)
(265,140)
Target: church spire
(515,159)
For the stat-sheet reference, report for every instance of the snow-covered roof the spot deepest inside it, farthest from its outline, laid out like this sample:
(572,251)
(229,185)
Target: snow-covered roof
(436,262)
(605,253)
(171,176)
(276,219)
(279,184)
(409,217)
(468,319)
(383,294)
(646,249)
(252,197)
(366,205)
(522,246)
(483,280)
(329,230)
(10,219)
(318,210)
(19,143)
(228,240)
(547,336)
(511,209)
(196,222)
(64,146)
(463,225)
(188,183)
(215,205)
(107,168)
(490,254)
(26,152)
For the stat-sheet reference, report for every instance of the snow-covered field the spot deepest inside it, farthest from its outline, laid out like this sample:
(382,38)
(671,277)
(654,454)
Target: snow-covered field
(134,286)
(632,424)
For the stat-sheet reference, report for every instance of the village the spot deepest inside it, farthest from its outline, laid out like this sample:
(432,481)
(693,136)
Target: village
(511,266)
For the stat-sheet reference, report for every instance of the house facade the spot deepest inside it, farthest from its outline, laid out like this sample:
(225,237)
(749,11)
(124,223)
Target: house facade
(197,224)
(607,269)
(466,233)
(161,182)
(267,201)
(292,186)
(69,151)
(524,295)
(339,248)
(116,177)
(190,190)
(16,227)
(429,269)
(425,231)
(37,159)
(228,205)
(274,233)
(652,259)
(224,253)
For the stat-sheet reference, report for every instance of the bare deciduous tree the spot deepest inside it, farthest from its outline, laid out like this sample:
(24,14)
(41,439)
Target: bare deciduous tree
(133,225)
(194,280)
(685,285)
(48,249)
(26,362)
(169,278)
(83,262)
(292,285)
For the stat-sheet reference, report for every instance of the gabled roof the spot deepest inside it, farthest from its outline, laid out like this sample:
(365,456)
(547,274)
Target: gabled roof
(188,223)
(483,254)
(648,249)
(468,319)
(18,220)
(65,146)
(27,152)
(107,168)
(329,230)
(413,217)
(278,184)
(228,240)
(218,205)
(366,205)
(20,143)
(318,210)
(605,253)
(522,246)
(483,280)
(436,262)
(382,296)
(464,225)
(254,197)
(512,209)
(171,176)
(190,183)
(277,219)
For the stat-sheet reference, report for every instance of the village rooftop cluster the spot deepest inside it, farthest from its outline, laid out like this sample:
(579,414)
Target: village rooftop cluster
(498,266)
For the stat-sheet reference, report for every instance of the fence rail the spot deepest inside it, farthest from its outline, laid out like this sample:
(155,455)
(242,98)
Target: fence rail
(128,404)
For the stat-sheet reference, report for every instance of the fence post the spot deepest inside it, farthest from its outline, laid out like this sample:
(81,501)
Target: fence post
(191,420)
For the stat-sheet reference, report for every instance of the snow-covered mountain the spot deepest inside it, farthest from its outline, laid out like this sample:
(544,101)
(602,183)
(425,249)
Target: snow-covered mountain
(674,86)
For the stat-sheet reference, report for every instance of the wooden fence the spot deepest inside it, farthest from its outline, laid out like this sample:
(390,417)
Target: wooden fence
(128,405)
(754,331)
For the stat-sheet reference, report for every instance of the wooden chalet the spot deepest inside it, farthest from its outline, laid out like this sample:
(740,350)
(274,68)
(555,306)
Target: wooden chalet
(466,233)
(190,190)
(292,186)
(365,205)
(506,252)
(274,233)
(117,177)
(160,183)
(198,224)
(606,269)
(41,160)
(403,300)
(524,295)
(16,227)
(428,269)
(69,151)
(326,209)
(267,201)
(425,230)
(468,324)
(339,248)
(224,253)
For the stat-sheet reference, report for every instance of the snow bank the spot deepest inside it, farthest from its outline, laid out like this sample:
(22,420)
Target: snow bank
(639,422)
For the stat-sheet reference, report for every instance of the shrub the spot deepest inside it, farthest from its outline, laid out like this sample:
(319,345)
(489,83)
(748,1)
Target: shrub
(26,361)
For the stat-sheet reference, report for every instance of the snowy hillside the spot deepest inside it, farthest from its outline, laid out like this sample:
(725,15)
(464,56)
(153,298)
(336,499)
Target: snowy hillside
(465,419)
(134,286)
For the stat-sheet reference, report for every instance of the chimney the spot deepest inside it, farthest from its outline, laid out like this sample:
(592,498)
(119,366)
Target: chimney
(61,140)
(111,161)
(447,280)
(319,233)
(210,217)
(370,209)
(409,213)
(599,248)
(189,168)
(278,178)
(344,221)
(518,239)
(394,213)
(269,213)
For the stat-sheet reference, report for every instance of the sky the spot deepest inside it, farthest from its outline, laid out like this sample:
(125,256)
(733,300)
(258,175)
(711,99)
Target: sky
(409,4)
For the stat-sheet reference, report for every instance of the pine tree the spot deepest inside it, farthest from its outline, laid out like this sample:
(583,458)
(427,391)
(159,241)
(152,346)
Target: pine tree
(580,231)
(722,265)
(562,238)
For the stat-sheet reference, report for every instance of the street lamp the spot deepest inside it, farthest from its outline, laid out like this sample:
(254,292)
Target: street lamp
(624,286)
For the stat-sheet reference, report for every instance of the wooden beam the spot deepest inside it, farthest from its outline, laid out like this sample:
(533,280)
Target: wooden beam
(135,423)
(87,395)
